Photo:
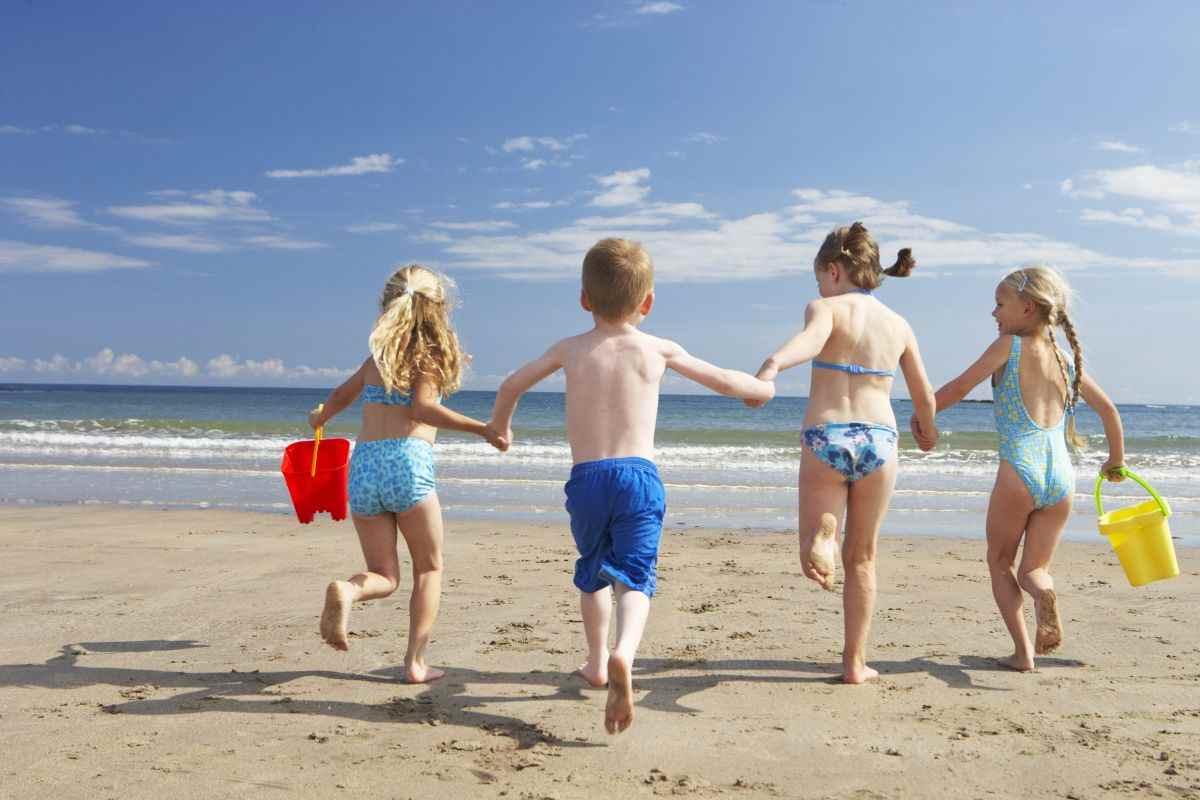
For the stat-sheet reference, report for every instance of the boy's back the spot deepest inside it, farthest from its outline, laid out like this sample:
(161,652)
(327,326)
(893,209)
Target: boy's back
(613,380)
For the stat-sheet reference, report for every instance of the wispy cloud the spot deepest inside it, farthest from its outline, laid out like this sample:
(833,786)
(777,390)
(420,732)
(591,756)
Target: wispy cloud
(534,164)
(25,257)
(275,241)
(623,188)
(482,225)
(359,165)
(182,242)
(374,227)
(508,205)
(1117,146)
(658,8)
(108,363)
(210,206)
(50,212)
(527,144)
(13,130)
(704,137)
(83,130)
(1170,194)
(1184,127)
(227,366)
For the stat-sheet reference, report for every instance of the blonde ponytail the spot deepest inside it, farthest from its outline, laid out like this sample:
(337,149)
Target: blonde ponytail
(413,337)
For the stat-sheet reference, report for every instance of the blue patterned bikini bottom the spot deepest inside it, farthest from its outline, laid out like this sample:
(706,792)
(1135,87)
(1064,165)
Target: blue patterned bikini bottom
(390,475)
(855,449)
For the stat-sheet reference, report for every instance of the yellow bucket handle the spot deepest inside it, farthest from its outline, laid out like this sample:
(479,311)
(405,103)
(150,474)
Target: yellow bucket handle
(1162,504)
(316,442)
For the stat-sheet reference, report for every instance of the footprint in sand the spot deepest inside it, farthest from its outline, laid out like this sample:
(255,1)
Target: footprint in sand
(1049,625)
(822,553)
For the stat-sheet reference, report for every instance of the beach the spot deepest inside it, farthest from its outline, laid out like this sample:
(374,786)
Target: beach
(152,653)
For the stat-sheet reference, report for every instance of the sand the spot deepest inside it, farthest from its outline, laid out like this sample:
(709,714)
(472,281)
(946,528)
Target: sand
(175,654)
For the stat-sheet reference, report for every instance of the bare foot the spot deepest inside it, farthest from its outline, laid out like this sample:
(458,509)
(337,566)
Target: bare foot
(1017,663)
(821,553)
(1049,626)
(339,596)
(618,712)
(596,677)
(422,673)
(860,675)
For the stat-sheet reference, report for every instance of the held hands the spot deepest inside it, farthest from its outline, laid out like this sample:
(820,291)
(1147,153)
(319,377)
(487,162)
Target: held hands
(766,372)
(496,438)
(926,439)
(1112,470)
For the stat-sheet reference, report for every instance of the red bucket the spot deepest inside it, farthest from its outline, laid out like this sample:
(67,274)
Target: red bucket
(322,489)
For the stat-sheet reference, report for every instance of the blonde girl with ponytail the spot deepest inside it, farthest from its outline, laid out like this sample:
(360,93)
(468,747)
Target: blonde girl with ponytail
(415,363)
(1036,389)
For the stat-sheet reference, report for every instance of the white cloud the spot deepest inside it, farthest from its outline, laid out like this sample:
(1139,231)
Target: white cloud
(519,144)
(13,130)
(534,164)
(675,154)
(528,144)
(25,257)
(82,130)
(1184,127)
(227,366)
(659,8)
(690,243)
(482,225)
(1172,194)
(1067,187)
(532,205)
(359,165)
(704,137)
(11,364)
(49,212)
(107,363)
(183,242)
(374,227)
(211,206)
(624,188)
(274,241)
(1117,146)
(1133,217)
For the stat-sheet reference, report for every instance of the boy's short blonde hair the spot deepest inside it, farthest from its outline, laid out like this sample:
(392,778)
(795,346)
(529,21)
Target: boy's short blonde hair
(617,276)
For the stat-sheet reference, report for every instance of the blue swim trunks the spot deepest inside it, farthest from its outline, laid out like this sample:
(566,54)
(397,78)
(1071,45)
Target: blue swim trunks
(390,475)
(617,507)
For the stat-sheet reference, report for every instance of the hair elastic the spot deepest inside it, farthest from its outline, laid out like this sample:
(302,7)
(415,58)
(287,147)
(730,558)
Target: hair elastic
(1024,282)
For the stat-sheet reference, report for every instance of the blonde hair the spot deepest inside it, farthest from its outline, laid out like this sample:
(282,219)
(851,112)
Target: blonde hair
(413,337)
(853,248)
(617,276)
(1047,289)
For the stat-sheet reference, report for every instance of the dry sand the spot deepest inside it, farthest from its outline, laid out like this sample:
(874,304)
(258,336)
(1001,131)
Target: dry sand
(175,654)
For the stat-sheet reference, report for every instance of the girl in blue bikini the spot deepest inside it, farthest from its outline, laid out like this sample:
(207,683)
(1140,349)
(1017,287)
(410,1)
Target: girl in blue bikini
(848,462)
(415,362)
(1035,389)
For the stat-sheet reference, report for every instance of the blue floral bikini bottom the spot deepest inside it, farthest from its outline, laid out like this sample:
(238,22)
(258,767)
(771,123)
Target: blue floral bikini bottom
(855,449)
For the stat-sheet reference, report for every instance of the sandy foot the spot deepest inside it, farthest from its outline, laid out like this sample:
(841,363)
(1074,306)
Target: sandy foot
(618,712)
(336,616)
(822,553)
(1049,626)
(860,675)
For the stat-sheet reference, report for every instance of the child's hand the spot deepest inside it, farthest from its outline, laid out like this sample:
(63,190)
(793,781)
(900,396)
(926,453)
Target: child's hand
(1112,470)
(315,418)
(498,440)
(759,403)
(926,440)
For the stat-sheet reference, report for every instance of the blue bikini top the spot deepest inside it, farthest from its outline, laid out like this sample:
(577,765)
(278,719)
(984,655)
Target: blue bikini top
(373,393)
(854,369)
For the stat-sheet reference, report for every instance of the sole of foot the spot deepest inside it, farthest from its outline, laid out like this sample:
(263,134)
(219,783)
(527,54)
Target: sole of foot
(335,618)
(618,711)
(822,552)
(1049,625)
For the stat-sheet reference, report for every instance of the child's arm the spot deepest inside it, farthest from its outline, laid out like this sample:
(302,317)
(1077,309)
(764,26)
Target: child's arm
(954,391)
(519,383)
(805,345)
(1095,397)
(427,409)
(729,382)
(921,392)
(340,398)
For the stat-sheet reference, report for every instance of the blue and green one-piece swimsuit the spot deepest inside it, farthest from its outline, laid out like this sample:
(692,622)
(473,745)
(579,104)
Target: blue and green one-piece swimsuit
(1039,455)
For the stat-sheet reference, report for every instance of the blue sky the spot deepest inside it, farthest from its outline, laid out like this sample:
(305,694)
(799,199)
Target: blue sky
(215,194)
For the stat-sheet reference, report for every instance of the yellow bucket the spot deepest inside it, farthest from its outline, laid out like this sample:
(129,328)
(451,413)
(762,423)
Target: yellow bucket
(1140,536)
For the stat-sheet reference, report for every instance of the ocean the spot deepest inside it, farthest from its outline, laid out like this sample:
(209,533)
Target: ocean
(724,465)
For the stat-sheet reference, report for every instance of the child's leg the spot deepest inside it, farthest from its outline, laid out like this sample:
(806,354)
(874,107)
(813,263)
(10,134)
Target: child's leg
(633,609)
(421,526)
(822,490)
(377,537)
(596,609)
(1041,538)
(868,504)
(1008,514)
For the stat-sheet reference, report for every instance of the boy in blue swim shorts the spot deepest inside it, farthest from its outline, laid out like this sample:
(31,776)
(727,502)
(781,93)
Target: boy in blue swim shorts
(614,496)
